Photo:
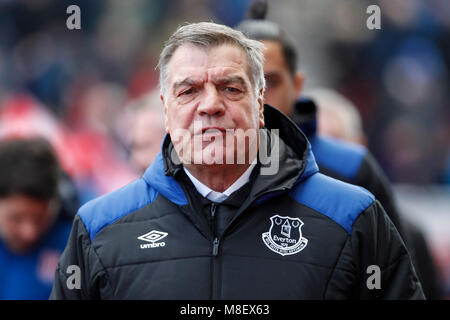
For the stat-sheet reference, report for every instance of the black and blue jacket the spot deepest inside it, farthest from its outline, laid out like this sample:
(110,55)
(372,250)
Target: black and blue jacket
(346,161)
(355,164)
(297,234)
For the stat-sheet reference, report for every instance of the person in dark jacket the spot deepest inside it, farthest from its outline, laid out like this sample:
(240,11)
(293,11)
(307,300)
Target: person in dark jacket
(349,162)
(339,118)
(264,225)
(344,161)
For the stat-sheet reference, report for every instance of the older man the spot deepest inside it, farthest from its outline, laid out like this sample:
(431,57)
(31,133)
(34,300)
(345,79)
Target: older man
(213,219)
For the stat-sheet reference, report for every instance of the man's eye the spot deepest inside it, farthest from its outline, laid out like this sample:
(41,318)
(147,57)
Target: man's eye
(187,92)
(232,90)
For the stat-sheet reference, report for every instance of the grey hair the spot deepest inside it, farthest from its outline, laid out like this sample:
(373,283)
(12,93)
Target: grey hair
(331,100)
(208,35)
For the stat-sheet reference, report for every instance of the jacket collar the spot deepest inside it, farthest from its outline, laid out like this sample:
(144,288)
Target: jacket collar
(296,161)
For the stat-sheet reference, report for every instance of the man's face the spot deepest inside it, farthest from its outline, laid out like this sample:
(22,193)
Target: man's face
(147,133)
(282,89)
(23,221)
(210,95)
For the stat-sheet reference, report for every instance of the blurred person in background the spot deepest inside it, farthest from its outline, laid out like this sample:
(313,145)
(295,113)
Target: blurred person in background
(339,159)
(23,117)
(339,118)
(94,110)
(347,162)
(145,126)
(33,230)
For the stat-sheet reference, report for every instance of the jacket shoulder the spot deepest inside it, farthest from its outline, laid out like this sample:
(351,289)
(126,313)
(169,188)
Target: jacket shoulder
(340,201)
(102,211)
(345,158)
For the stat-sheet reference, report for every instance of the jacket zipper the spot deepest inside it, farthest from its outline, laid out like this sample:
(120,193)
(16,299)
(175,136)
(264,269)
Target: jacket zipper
(216,246)
(215,274)
(216,239)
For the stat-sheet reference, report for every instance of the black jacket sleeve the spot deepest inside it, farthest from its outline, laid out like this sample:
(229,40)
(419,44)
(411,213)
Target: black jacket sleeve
(374,263)
(371,177)
(423,261)
(79,274)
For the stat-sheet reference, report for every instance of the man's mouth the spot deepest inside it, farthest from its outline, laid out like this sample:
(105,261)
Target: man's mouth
(213,131)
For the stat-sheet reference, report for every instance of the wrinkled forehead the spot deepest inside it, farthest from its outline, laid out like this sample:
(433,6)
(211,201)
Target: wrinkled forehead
(206,63)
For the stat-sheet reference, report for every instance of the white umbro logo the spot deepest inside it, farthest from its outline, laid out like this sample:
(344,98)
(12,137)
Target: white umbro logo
(152,237)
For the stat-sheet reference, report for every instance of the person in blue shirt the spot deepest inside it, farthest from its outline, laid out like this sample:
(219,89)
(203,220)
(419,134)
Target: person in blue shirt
(33,227)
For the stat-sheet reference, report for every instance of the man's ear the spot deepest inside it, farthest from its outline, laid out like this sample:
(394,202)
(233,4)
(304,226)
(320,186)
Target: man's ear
(166,118)
(261,107)
(298,83)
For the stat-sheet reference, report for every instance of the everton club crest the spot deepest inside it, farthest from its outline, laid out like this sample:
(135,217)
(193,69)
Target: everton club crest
(285,235)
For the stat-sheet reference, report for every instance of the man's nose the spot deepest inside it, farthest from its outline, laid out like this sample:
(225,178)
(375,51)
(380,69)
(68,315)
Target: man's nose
(211,103)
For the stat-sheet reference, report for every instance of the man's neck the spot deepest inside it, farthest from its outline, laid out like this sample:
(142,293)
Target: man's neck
(217,177)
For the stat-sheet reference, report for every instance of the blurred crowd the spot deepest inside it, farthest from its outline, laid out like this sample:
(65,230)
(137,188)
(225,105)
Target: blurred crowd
(84,79)
(397,76)
(93,93)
